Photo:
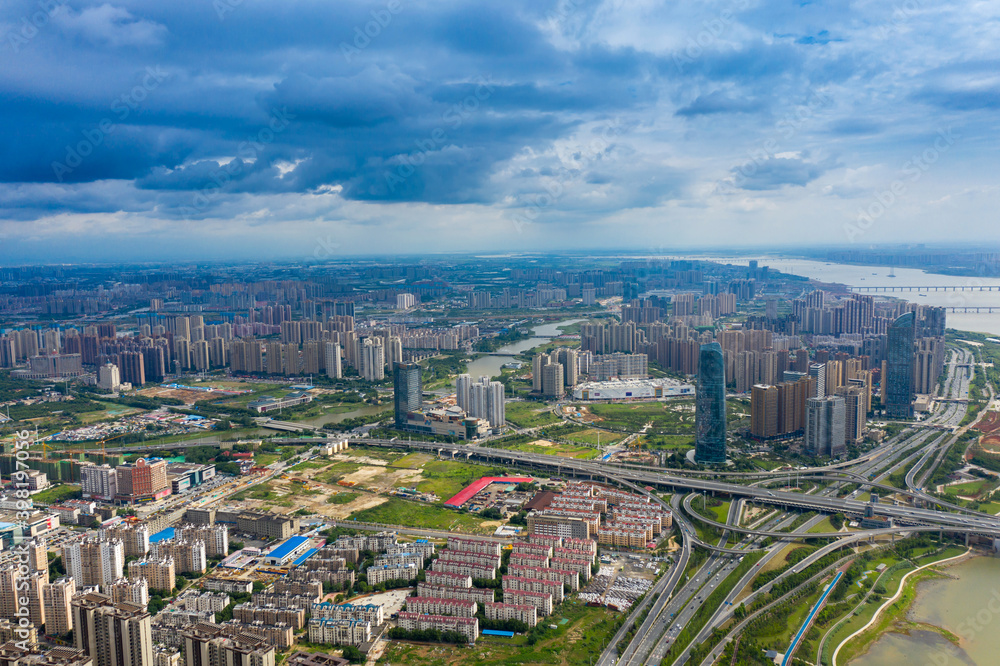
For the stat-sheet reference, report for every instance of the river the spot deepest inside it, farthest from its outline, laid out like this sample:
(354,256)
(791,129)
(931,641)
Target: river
(878,276)
(968,606)
(489,366)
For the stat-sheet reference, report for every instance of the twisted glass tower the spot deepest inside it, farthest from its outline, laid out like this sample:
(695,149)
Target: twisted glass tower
(710,406)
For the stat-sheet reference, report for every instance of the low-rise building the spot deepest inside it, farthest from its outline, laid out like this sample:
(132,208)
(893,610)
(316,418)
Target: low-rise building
(467,626)
(542,601)
(381,574)
(372,613)
(479,595)
(441,606)
(521,612)
(339,632)
(448,579)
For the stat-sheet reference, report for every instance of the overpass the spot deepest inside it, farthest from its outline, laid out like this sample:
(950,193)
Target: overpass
(596,471)
(950,287)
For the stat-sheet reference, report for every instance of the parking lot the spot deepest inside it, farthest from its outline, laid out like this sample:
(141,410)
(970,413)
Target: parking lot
(621,582)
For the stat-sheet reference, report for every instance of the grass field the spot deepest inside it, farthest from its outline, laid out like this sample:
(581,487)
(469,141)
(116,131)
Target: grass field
(667,442)
(822,526)
(969,489)
(342,498)
(309,464)
(529,414)
(57,494)
(413,460)
(593,436)
(674,417)
(265,459)
(415,514)
(336,471)
(579,635)
(558,449)
(445,478)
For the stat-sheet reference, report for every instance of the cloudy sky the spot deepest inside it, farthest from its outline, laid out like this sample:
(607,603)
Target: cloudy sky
(196,129)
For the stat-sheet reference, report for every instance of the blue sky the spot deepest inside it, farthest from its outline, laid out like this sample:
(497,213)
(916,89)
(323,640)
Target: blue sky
(242,128)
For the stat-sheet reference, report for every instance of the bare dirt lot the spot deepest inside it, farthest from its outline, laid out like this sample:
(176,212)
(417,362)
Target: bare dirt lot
(189,397)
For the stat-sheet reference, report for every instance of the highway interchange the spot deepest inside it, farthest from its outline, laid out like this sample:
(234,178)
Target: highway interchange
(676,598)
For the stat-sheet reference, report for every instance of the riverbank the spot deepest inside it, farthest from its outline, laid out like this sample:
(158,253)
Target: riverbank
(893,616)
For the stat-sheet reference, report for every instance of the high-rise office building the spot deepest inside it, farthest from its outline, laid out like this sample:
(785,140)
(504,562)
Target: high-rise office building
(407,391)
(825,421)
(899,368)
(710,405)
(818,372)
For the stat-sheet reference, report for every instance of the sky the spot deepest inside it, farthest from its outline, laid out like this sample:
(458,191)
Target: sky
(316,130)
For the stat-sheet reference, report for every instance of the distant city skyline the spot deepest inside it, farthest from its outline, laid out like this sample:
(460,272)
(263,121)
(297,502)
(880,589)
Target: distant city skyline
(232,130)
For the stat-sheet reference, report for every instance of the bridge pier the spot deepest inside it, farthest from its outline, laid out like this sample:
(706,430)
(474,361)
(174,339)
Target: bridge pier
(966,539)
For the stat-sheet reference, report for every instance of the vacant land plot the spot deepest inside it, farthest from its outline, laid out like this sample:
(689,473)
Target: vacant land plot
(674,417)
(546,447)
(57,494)
(530,414)
(415,514)
(595,437)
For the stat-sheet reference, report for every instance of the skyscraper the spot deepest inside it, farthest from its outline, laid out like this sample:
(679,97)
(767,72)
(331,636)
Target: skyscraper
(710,405)
(899,368)
(332,362)
(764,411)
(825,426)
(408,390)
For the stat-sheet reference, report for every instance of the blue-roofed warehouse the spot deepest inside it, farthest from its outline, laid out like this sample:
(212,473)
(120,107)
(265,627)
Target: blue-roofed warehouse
(287,551)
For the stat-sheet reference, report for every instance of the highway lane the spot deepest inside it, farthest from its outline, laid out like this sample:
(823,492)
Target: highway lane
(714,655)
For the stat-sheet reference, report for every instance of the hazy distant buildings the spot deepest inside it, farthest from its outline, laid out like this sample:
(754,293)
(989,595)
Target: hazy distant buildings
(710,406)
